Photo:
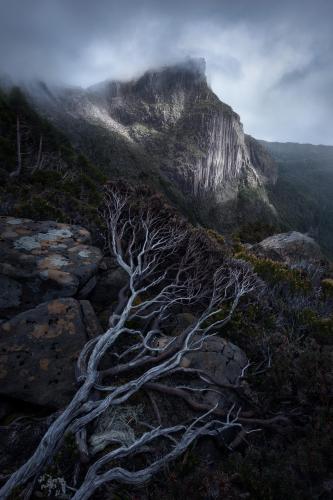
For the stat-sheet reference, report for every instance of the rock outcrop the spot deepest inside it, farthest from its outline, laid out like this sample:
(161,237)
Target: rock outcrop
(264,164)
(292,248)
(219,358)
(174,118)
(39,349)
(40,261)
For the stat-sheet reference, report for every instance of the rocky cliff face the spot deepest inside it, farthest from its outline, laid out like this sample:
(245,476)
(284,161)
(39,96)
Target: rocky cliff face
(173,117)
(263,162)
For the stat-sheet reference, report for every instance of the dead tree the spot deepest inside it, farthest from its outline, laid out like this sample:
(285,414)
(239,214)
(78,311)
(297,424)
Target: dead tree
(18,169)
(166,268)
(39,156)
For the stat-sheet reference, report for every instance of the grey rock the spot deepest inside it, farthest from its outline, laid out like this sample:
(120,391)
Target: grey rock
(92,324)
(291,248)
(222,360)
(108,286)
(40,261)
(10,292)
(265,165)
(87,288)
(39,349)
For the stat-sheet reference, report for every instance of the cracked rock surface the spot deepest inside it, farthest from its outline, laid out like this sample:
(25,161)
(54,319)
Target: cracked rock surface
(39,349)
(291,248)
(41,261)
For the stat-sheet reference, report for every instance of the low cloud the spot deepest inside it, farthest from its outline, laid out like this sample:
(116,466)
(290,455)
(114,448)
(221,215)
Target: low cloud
(272,61)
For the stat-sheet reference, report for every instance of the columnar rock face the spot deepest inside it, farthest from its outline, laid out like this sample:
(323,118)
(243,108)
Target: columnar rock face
(174,108)
(176,120)
(262,161)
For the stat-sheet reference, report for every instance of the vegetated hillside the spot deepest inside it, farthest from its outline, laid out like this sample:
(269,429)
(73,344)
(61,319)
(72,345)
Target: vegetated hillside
(284,327)
(168,129)
(42,176)
(303,193)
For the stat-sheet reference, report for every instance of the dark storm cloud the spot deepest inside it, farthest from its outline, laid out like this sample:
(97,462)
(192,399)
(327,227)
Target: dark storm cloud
(272,61)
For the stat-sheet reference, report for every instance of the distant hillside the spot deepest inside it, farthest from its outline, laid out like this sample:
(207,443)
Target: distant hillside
(303,193)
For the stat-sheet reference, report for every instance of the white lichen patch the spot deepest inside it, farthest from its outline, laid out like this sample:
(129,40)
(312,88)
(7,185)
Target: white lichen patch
(84,254)
(44,274)
(14,221)
(58,261)
(58,246)
(32,242)
(27,243)
(54,261)
(55,234)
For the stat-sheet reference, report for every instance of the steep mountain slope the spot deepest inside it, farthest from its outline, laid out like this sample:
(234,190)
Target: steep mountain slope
(169,129)
(303,193)
(41,175)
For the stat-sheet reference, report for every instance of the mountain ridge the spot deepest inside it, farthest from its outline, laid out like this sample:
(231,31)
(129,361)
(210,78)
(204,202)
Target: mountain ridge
(177,129)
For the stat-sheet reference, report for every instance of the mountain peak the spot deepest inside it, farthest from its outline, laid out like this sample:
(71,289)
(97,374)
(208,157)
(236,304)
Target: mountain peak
(186,73)
(196,65)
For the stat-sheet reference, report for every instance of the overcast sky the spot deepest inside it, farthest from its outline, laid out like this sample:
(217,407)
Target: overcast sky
(271,60)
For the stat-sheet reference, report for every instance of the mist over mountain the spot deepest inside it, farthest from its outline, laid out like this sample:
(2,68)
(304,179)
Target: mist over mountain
(180,135)
(272,62)
(166,274)
(303,192)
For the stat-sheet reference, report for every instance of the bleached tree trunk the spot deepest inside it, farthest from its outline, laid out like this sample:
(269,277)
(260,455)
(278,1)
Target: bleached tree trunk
(147,247)
(18,145)
(18,169)
(39,155)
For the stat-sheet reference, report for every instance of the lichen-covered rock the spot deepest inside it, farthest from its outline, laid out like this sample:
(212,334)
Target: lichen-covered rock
(40,261)
(39,349)
(220,359)
(292,248)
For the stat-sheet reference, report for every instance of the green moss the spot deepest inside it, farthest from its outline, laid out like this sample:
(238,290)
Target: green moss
(327,286)
(215,236)
(322,330)
(39,208)
(45,177)
(256,231)
(276,272)
(72,193)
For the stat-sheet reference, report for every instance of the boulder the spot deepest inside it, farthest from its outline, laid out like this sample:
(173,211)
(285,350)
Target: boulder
(292,248)
(108,286)
(41,261)
(220,359)
(223,361)
(39,349)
